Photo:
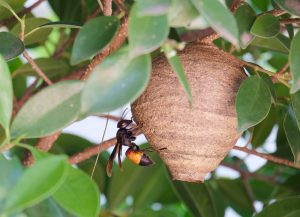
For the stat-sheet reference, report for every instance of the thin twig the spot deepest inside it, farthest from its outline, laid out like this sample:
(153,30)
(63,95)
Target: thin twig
(90,152)
(290,21)
(283,69)
(36,68)
(268,157)
(243,172)
(21,13)
(107,7)
(279,77)
(103,135)
(110,117)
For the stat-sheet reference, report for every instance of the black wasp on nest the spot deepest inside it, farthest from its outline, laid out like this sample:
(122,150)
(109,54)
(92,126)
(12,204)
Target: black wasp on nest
(125,137)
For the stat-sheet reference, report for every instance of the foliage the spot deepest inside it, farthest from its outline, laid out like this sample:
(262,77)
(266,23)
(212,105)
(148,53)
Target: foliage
(263,32)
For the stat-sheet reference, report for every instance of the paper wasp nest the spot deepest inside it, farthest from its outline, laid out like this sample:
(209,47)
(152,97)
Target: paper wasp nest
(196,138)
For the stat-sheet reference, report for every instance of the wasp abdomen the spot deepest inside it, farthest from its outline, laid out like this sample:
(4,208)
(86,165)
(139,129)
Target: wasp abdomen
(138,157)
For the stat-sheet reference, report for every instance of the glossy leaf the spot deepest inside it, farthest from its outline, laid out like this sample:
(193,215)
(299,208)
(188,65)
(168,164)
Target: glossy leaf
(245,17)
(263,129)
(197,198)
(188,14)
(6,95)
(253,102)
(152,8)
(270,84)
(237,199)
(32,23)
(10,46)
(154,213)
(296,106)
(266,26)
(51,67)
(292,6)
(47,207)
(79,194)
(295,63)
(177,67)
(122,80)
(37,183)
(292,132)
(279,43)
(15,5)
(101,30)
(49,110)
(73,11)
(147,33)
(11,170)
(281,208)
(220,19)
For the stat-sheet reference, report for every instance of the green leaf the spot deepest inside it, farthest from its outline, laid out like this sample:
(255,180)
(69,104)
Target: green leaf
(10,46)
(292,6)
(152,8)
(142,212)
(47,207)
(177,67)
(253,102)
(279,43)
(292,132)
(197,198)
(296,106)
(270,84)
(245,17)
(49,110)
(51,67)
(261,5)
(281,208)
(188,13)
(122,80)
(37,183)
(220,19)
(263,129)
(79,194)
(295,63)
(238,198)
(6,95)
(147,33)
(266,26)
(15,5)
(101,30)
(32,23)
(11,170)
(73,11)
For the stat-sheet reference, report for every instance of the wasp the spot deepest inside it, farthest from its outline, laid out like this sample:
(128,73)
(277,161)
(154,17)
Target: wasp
(125,137)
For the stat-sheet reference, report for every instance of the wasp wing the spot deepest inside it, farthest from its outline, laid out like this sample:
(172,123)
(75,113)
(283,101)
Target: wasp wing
(119,157)
(111,160)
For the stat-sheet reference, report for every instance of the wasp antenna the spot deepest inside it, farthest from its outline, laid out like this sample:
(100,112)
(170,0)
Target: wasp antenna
(123,114)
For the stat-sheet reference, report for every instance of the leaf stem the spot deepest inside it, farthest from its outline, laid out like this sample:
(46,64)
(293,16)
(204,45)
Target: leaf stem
(271,74)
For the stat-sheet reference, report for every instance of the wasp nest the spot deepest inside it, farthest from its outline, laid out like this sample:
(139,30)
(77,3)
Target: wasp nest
(196,138)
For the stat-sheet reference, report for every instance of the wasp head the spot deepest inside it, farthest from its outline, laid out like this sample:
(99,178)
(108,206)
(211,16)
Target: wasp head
(123,124)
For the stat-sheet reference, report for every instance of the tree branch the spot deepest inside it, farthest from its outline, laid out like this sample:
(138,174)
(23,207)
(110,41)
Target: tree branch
(268,157)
